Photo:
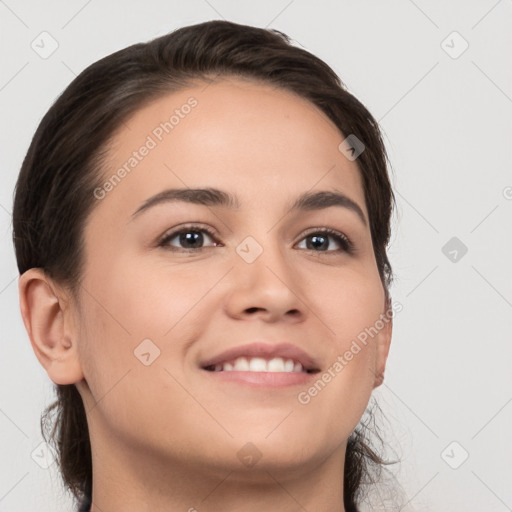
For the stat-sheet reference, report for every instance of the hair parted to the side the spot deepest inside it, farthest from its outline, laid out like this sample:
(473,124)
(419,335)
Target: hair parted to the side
(65,163)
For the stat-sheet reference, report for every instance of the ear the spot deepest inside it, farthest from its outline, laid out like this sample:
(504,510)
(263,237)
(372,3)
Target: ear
(383,341)
(50,327)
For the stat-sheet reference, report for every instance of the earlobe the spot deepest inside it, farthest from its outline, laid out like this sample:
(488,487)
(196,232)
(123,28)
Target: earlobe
(383,345)
(49,326)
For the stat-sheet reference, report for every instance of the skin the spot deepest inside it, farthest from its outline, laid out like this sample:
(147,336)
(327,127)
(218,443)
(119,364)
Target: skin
(164,436)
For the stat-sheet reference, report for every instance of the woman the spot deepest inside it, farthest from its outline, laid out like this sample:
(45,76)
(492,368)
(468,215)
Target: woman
(200,225)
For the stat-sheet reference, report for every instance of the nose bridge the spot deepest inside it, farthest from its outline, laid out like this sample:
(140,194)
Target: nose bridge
(257,254)
(263,278)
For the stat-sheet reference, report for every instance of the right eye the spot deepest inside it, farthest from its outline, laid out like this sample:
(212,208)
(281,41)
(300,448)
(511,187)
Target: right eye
(191,238)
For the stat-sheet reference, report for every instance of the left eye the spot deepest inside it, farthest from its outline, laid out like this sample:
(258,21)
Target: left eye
(319,241)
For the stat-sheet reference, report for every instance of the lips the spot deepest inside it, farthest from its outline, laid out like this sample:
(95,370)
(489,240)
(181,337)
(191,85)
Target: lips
(265,351)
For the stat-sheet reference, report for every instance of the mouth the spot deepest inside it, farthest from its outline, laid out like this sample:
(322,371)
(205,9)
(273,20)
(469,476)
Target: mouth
(262,365)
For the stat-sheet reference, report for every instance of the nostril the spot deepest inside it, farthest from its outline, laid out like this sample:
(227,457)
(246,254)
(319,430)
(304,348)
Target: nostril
(252,310)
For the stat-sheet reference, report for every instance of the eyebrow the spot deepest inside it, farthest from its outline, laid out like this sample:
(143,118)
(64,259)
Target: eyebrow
(215,197)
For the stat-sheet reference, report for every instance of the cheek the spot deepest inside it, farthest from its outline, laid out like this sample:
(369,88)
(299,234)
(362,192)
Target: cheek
(104,342)
(136,301)
(350,309)
(155,300)
(339,395)
(348,302)
(155,311)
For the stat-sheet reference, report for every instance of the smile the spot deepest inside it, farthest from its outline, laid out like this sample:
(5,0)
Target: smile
(259,364)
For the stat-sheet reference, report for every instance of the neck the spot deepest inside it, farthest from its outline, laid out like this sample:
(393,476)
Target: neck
(136,480)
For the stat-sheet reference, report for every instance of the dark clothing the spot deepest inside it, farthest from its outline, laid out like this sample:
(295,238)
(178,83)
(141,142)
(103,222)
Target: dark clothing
(85,504)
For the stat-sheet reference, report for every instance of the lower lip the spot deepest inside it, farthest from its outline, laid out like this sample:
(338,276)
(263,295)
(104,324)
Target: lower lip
(264,379)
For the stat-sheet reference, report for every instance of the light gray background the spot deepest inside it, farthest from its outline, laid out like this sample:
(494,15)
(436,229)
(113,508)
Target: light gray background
(448,125)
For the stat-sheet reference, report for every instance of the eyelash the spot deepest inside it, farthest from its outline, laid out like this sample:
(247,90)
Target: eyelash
(346,244)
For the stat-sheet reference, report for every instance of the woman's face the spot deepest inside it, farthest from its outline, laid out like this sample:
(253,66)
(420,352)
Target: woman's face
(157,305)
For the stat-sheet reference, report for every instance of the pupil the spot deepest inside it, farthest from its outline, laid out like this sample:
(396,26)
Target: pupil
(316,242)
(190,238)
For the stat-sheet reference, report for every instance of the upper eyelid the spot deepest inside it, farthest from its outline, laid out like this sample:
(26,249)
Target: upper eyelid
(214,232)
(191,227)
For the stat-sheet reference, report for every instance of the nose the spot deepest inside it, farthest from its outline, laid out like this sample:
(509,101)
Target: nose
(266,288)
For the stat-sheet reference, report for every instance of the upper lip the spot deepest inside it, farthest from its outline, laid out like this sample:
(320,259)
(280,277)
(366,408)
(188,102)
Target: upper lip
(265,350)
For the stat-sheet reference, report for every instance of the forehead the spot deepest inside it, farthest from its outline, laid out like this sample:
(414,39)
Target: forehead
(262,143)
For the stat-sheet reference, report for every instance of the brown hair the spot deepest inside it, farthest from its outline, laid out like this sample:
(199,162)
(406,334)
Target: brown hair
(55,190)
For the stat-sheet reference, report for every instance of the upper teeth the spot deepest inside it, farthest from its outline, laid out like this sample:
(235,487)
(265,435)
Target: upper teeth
(258,364)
